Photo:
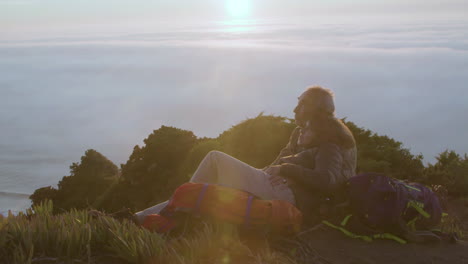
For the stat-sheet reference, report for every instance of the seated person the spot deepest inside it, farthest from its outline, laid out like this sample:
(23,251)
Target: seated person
(319,158)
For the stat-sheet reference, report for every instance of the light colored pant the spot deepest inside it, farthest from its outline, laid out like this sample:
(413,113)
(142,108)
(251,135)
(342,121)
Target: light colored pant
(220,168)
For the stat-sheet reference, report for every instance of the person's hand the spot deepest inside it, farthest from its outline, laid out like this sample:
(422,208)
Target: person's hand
(275,177)
(273,170)
(276,180)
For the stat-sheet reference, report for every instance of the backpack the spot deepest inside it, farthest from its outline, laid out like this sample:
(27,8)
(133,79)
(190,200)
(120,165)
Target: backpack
(384,207)
(219,203)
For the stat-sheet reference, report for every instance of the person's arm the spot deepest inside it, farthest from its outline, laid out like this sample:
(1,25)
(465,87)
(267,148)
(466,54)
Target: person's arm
(326,175)
(288,149)
(304,158)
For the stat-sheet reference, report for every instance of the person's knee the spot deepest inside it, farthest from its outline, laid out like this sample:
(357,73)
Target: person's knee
(209,158)
(214,154)
(215,159)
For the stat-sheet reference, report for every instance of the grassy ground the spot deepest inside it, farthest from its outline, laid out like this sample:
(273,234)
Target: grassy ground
(77,237)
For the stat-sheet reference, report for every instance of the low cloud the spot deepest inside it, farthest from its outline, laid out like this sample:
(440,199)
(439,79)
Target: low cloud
(407,82)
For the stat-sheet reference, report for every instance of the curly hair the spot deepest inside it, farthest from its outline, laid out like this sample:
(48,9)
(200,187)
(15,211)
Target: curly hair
(326,126)
(321,99)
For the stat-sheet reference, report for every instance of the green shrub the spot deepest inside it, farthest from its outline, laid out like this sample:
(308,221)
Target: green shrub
(257,141)
(43,194)
(378,153)
(170,155)
(154,171)
(451,171)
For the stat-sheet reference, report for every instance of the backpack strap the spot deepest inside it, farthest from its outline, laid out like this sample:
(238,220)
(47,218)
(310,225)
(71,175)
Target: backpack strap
(201,195)
(367,238)
(419,207)
(347,232)
(247,211)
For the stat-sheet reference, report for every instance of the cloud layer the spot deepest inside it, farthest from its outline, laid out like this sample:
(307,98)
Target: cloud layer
(60,96)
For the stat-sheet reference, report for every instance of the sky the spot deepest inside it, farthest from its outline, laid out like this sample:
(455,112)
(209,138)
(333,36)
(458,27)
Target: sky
(49,17)
(104,74)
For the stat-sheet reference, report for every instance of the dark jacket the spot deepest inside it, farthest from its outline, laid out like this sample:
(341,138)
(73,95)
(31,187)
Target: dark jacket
(319,169)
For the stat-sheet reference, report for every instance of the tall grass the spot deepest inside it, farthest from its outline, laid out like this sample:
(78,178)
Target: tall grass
(38,236)
(73,237)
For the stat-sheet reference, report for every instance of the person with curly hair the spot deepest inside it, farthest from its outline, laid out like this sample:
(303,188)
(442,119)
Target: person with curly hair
(318,159)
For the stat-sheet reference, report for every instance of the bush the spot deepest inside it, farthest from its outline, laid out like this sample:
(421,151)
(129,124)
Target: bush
(87,180)
(257,141)
(451,171)
(383,154)
(42,194)
(153,171)
(169,156)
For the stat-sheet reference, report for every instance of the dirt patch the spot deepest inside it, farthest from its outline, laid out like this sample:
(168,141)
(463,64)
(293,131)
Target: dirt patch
(334,247)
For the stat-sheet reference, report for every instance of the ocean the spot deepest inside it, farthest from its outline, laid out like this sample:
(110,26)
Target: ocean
(61,96)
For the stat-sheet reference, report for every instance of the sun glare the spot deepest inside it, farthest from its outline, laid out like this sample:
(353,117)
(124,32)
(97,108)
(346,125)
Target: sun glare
(238,8)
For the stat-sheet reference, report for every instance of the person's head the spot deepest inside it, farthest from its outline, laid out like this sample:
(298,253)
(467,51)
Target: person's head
(317,109)
(315,103)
